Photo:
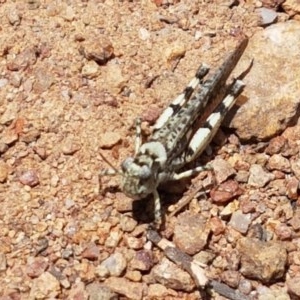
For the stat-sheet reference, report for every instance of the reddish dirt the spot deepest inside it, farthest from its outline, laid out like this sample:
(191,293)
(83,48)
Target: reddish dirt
(74,75)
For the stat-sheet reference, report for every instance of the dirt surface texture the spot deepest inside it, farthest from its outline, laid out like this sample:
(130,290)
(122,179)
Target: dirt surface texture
(74,76)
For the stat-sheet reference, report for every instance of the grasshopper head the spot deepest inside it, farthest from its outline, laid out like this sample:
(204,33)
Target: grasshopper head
(138,180)
(141,174)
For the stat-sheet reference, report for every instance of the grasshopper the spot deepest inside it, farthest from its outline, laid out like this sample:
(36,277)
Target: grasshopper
(174,142)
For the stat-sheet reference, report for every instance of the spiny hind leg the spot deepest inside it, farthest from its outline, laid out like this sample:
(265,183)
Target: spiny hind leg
(205,133)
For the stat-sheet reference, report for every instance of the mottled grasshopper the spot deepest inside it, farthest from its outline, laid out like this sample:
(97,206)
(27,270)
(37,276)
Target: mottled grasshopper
(174,141)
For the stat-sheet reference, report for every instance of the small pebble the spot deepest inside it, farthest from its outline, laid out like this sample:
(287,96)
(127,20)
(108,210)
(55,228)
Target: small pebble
(267,16)
(45,286)
(258,176)
(240,221)
(144,34)
(4,169)
(171,276)
(91,252)
(115,264)
(226,191)
(70,147)
(29,178)
(13,17)
(36,266)
(90,70)
(142,261)
(109,139)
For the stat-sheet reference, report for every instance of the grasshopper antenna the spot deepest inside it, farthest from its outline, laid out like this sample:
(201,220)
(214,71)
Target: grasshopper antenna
(113,170)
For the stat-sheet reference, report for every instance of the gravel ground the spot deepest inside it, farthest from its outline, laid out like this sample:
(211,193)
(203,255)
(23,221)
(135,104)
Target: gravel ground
(74,75)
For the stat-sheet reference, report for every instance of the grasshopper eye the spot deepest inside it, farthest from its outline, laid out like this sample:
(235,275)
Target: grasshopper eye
(126,163)
(145,172)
